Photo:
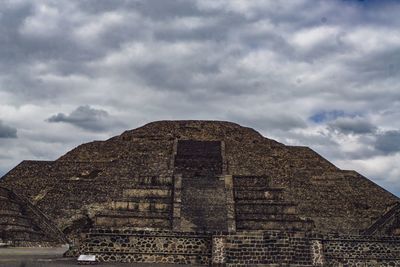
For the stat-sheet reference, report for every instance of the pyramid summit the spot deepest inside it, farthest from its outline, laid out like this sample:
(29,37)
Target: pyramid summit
(187,180)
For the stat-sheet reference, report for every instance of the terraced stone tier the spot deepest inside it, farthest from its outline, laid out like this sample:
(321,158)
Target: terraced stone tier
(133,219)
(73,188)
(261,207)
(265,207)
(251,193)
(21,222)
(272,224)
(148,192)
(143,206)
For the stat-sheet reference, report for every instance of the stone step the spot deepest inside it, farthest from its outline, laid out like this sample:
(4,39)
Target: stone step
(199,157)
(150,187)
(143,205)
(197,161)
(139,214)
(206,165)
(132,231)
(4,193)
(152,181)
(259,188)
(8,212)
(266,217)
(267,209)
(273,225)
(11,218)
(194,147)
(15,227)
(202,182)
(239,202)
(155,191)
(193,151)
(153,199)
(250,181)
(9,205)
(198,172)
(197,164)
(257,193)
(132,221)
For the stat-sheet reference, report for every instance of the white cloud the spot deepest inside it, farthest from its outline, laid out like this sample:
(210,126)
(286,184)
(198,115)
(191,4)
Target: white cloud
(309,38)
(44,22)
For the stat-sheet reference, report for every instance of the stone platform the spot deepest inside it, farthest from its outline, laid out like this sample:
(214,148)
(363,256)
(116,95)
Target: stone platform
(242,248)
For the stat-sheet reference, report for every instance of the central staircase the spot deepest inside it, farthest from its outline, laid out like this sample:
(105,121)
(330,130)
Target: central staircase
(174,219)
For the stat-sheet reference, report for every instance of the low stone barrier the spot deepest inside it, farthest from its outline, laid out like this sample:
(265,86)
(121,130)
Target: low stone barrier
(243,248)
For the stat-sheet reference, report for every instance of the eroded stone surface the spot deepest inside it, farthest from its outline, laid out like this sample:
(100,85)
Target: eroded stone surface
(84,180)
(202,192)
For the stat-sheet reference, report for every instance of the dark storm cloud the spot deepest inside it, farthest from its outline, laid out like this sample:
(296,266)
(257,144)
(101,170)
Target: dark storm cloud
(7,131)
(85,117)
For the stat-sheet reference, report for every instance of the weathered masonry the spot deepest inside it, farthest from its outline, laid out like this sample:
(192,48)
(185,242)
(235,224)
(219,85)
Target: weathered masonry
(204,192)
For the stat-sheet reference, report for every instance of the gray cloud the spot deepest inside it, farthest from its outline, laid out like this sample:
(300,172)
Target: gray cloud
(7,131)
(275,123)
(388,142)
(318,73)
(354,125)
(85,117)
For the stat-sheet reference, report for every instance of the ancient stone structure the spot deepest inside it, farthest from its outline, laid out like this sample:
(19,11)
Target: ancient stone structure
(207,192)
(23,224)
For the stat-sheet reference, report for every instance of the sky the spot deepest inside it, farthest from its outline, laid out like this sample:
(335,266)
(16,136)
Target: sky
(317,73)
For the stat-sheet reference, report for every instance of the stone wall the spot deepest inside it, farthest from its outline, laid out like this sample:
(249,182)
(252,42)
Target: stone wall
(113,245)
(244,248)
(367,250)
(268,247)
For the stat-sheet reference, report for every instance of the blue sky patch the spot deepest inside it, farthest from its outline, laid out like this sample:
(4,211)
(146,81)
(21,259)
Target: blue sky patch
(324,116)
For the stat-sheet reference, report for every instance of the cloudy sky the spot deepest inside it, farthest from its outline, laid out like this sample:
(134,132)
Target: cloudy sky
(324,74)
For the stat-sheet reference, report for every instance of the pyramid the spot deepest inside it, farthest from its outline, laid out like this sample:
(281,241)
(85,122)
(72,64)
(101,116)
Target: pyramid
(182,179)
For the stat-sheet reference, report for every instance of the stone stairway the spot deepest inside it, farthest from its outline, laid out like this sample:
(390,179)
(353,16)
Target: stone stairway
(259,206)
(23,224)
(203,195)
(144,205)
(387,225)
(198,158)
